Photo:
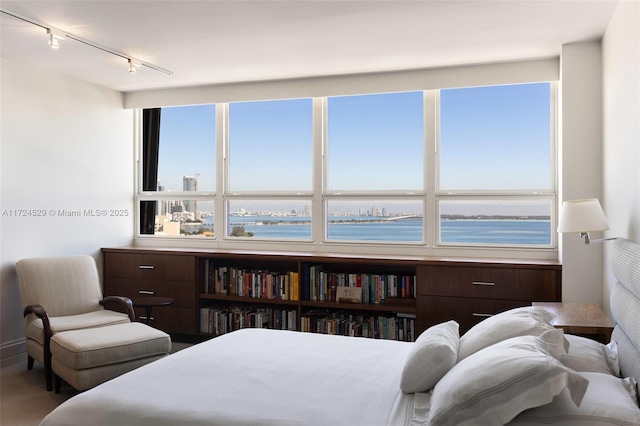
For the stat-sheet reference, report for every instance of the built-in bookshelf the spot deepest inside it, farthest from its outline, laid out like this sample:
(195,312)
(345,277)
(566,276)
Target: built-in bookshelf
(386,297)
(238,292)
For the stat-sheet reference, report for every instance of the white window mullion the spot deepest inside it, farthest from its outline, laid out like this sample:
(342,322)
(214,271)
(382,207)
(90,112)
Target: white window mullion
(318,219)
(432,132)
(222,150)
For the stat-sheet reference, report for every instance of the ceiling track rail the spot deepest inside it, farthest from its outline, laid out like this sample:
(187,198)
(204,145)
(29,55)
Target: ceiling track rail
(50,29)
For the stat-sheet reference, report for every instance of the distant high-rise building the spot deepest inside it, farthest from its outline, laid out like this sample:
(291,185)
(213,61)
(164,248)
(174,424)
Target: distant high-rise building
(190,183)
(162,206)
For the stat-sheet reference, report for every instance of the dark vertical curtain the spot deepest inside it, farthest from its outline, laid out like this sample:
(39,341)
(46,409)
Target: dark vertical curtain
(150,146)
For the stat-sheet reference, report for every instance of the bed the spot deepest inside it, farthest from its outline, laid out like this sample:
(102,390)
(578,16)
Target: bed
(511,368)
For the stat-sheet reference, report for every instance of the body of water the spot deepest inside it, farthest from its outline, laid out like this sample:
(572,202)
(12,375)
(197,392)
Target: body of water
(365,228)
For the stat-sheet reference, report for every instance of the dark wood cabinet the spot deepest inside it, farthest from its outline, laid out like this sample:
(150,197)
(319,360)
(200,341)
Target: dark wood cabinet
(134,273)
(465,290)
(469,294)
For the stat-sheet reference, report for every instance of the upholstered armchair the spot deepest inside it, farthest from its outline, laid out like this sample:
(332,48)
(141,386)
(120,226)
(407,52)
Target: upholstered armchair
(61,294)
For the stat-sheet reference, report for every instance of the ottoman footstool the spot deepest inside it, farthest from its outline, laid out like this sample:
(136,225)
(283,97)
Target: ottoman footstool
(85,358)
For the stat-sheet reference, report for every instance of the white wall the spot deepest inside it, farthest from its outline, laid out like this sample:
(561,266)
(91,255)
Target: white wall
(580,160)
(621,94)
(65,145)
(394,81)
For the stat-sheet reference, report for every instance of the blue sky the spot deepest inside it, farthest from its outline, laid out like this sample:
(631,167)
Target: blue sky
(488,133)
(491,137)
(271,146)
(187,146)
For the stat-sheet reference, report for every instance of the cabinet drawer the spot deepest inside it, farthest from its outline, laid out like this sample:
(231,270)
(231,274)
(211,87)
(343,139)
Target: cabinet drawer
(490,283)
(150,266)
(466,312)
(183,293)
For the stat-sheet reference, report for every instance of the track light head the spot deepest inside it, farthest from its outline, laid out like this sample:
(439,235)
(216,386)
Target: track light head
(54,37)
(133,66)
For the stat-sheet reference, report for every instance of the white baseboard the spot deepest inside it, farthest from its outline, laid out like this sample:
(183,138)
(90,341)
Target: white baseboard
(13,352)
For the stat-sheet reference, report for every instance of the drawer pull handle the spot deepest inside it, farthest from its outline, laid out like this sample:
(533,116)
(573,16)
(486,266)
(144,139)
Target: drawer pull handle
(146,267)
(483,283)
(482,315)
(142,317)
(146,292)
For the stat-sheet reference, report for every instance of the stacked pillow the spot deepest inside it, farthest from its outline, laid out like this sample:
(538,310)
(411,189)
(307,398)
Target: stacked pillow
(590,356)
(512,363)
(434,352)
(495,384)
(525,321)
(609,400)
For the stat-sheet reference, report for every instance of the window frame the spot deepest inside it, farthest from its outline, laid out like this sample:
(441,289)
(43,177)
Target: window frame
(524,195)
(431,195)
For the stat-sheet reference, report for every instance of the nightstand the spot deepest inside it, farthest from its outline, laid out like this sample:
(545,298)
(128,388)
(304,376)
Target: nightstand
(582,319)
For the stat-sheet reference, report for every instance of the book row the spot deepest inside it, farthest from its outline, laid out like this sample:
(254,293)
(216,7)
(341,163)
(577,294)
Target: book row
(251,283)
(220,320)
(401,327)
(316,284)
(376,288)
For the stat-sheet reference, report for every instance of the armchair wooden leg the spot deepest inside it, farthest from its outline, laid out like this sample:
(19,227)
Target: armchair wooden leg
(29,363)
(58,383)
(48,372)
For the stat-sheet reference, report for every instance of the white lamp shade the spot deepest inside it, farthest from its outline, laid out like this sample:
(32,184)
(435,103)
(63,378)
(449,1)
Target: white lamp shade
(582,216)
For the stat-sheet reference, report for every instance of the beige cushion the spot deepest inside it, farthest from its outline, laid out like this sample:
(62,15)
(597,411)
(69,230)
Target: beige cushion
(90,377)
(82,349)
(64,285)
(100,318)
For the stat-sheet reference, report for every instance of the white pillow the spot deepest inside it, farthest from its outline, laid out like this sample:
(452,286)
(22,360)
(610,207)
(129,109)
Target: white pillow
(434,352)
(495,384)
(608,400)
(586,355)
(525,321)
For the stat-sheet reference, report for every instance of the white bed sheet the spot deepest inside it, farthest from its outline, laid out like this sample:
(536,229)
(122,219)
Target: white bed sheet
(256,376)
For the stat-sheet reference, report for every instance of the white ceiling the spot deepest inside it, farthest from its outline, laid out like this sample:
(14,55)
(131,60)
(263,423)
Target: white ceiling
(211,42)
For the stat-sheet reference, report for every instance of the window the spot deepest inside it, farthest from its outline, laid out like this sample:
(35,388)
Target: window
(375,143)
(496,222)
(496,146)
(271,146)
(496,138)
(375,220)
(469,168)
(187,151)
(179,158)
(271,219)
(270,149)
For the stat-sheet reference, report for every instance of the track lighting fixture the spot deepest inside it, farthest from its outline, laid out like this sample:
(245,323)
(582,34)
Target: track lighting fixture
(55,35)
(133,66)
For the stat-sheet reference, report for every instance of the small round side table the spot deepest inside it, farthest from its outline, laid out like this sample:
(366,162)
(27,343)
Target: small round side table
(148,302)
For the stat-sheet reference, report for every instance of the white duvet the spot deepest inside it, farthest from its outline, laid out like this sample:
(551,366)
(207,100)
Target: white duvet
(255,377)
